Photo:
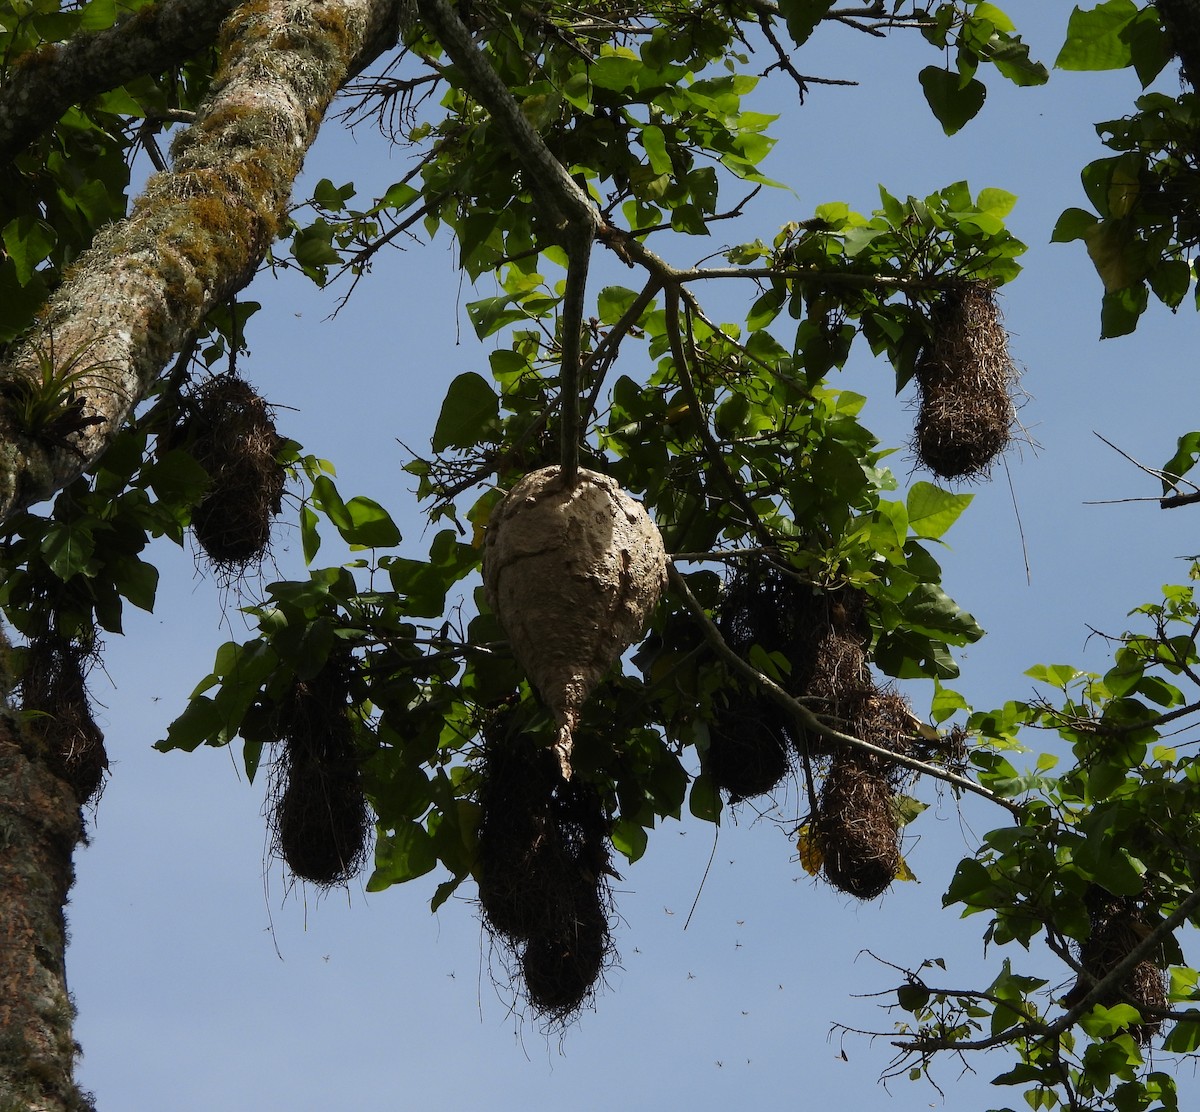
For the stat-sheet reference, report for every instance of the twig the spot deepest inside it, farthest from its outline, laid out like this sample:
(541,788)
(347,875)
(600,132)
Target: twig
(1111,980)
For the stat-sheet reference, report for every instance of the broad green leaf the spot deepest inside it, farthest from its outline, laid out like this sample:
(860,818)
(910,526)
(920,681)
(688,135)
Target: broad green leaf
(630,839)
(371,525)
(200,721)
(1094,38)
(28,242)
(329,502)
(931,510)
(953,103)
(402,855)
(136,580)
(802,17)
(1117,254)
(470,409)
(1073,224)
(613,302)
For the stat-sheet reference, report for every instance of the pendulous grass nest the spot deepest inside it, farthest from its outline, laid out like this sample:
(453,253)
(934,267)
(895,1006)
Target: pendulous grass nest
(1118,924)
(856,826)
(320,821)
(966,379)
(52,685)
(229,430)
(543,868)
(822,634)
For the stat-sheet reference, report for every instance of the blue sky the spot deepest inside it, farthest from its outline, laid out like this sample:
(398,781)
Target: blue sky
(203,982)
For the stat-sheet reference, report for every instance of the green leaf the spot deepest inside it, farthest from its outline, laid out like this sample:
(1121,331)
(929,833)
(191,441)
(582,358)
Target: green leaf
(200,722)
(704,800)
(1073,224)
(931,510)
(613,302)
(310,539)
(329,502)
(98,15)
(471,408)
(1121,309)
(371,525)
(1184,1037)
(1095,40)
(28,242)
(402,855)
(802,17)
(912,998)
(136,580)
(629,838)
(953,103)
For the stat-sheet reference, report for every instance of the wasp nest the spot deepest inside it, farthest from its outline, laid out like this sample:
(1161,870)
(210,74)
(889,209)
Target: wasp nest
(573,573)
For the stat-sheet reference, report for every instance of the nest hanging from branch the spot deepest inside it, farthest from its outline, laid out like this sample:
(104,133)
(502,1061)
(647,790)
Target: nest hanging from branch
(966,379)
(52,686)
(857,827)
(320,820)
(573,574)
(1119,923)
(543,868)
(229,430)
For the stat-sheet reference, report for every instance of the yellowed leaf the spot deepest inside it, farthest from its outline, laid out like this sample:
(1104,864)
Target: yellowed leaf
(811,856)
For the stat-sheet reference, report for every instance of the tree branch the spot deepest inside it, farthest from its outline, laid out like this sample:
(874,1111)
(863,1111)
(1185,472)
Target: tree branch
(195,236)
(154,39)
(1104,985)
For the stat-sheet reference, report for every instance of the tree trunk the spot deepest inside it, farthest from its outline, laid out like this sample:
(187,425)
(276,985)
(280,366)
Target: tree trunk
(40,825)
(196,235)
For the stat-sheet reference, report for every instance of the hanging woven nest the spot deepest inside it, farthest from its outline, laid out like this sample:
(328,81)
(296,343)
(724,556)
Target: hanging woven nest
(1119,923)
(856,827)
(229,430)
(966,379)
(320,820)
(573,574)
(543,866)
(749,742)
(52,690)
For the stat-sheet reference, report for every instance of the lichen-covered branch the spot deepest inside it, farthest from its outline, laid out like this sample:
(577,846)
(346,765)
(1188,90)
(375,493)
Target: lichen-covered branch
(196,235)
(39,88)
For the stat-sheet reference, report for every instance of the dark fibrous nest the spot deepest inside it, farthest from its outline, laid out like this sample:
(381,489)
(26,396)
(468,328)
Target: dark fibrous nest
(229,430)
(748,746)
(1118,925)
(821,633)
(52,684)
(966,379)
(320,819)
(883,718)
(856,828)
(542,866)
